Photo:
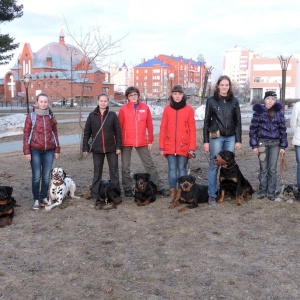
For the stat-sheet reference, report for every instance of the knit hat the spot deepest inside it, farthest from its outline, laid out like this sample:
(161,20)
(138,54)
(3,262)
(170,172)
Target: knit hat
(270,94)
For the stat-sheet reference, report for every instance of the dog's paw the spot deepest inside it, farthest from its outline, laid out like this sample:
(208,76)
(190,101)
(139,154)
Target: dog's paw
(278,199)
(48,208)
(290,201)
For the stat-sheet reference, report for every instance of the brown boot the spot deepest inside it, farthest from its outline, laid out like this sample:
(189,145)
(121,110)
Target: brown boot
(178,194)
(173,193)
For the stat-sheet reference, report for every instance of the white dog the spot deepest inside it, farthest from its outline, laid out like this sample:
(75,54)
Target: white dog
(60,187)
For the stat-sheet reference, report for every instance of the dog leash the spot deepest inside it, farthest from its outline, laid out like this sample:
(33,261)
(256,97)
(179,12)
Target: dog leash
(283,166)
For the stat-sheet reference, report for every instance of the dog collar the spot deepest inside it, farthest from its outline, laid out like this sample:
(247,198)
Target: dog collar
(57,183)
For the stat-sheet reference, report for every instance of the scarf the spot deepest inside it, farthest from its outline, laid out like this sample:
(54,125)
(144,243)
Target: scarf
(178,105)
(42,112)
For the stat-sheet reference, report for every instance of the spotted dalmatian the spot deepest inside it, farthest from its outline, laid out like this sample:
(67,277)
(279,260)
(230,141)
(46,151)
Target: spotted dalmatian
(60,187)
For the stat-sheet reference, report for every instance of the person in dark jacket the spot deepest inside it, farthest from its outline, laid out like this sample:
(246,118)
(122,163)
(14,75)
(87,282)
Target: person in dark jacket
(268,138)
(177,138)
(40,147)
(106,142)
(222,129)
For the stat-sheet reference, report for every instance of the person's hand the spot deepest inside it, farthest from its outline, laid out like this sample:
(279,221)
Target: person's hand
(255,151)
(161,152)
(56,155)
(238,146)
(149,147)
(118,151)
(28,157)
(85,154)
(281,151)
(206,147)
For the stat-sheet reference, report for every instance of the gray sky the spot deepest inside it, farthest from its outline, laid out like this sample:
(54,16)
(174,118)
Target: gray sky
(187,28)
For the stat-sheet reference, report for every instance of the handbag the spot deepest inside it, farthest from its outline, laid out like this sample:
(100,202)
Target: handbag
(91,140)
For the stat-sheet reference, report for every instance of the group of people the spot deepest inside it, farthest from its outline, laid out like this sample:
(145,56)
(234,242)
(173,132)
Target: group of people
(113,135)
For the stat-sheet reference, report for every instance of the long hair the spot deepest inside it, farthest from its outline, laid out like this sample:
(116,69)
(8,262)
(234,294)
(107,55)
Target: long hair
(217,90)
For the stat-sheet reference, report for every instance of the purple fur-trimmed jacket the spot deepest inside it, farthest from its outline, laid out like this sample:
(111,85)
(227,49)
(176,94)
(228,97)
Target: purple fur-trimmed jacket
(265,127)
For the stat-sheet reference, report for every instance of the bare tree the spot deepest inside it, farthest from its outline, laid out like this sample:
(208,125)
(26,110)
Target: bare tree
(96,47)
(245,90)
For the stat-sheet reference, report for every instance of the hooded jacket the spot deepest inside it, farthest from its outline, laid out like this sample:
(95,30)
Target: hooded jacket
(177,131)
(295,124)
(136,124)
(226,115)
(268,125)
(44,134)
(109,138)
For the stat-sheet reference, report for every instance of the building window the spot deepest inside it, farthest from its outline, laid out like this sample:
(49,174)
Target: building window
(145,77)
(257,94)
(156,77)
(156,71)
(256,79)
(137,78)
(88,88)
(145,71)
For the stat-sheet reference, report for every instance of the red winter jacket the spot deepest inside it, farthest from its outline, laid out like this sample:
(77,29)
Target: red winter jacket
(136,124)
(177,131)
(42,137)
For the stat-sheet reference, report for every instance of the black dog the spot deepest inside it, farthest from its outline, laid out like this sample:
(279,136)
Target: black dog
(145,190)
(231,179)
(7,204)
(108,194)
(191,193)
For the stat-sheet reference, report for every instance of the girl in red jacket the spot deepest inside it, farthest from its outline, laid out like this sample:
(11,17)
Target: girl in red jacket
(177,138)
(40,147)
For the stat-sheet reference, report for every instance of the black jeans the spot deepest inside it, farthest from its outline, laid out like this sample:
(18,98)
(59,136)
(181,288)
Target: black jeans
(98,159)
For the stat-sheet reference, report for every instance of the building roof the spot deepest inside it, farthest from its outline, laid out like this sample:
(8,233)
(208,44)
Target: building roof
(150,63)
(186,60)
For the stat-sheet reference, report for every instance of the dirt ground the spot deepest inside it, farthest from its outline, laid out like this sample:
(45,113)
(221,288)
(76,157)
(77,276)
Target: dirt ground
(152,252)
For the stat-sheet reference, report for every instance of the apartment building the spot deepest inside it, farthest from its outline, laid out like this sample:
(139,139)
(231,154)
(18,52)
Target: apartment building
(266,75)
(237,62)
(153,78)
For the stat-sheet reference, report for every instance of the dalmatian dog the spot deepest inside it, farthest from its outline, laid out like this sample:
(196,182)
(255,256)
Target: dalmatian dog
(288,193)
(60,187)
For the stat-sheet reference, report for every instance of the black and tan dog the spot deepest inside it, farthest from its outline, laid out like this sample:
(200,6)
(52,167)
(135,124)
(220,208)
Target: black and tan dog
(231,179)
(108,194)
(145,190)
(191,193)
(7,204)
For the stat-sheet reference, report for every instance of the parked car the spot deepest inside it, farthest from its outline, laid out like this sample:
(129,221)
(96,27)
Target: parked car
(58,103)
(114,103)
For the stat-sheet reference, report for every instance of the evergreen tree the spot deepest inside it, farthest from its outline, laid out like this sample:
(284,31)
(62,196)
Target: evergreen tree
(9,10)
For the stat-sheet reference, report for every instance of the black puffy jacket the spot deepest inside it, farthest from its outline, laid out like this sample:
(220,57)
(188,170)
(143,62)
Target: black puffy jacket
(226,115)
(109,138)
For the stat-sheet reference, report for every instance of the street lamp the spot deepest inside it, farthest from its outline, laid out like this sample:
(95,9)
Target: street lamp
(26,84)
(201,61)
(71,51)
(171,77)
(284,62)
(208,69)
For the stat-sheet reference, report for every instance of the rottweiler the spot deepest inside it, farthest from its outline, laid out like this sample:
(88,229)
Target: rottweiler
(7,205)
(109,193)
(191,193)
(231,179)
(145,190)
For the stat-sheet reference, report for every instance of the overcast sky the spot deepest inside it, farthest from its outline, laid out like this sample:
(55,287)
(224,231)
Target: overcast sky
(187,28)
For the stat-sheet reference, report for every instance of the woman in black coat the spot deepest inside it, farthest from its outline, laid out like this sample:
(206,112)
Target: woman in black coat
(104,127)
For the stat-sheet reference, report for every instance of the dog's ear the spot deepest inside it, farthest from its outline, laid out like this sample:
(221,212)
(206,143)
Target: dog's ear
(65,174)
(232,155)
(135,176)
(179,180)
(148,176)
(193,179)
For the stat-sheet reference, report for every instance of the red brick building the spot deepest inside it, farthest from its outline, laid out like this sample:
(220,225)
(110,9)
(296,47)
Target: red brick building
(153,78)
(59,70)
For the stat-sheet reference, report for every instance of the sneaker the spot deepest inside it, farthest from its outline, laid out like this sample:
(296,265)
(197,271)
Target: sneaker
(128,193)
(44,202)
(163,192)
(212,202)
(260,196)
(36,204)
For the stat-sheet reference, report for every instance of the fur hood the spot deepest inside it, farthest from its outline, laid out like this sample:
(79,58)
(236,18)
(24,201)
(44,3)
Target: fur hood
(260,108)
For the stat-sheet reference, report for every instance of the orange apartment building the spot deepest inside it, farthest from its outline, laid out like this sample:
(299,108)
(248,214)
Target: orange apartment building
(152,77)
(57,69)
(266,75)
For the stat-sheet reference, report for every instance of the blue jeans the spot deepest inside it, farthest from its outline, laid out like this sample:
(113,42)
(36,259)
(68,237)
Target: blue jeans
(268,157)
(297,151)
(215,146)
(41,164)
(177,167)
